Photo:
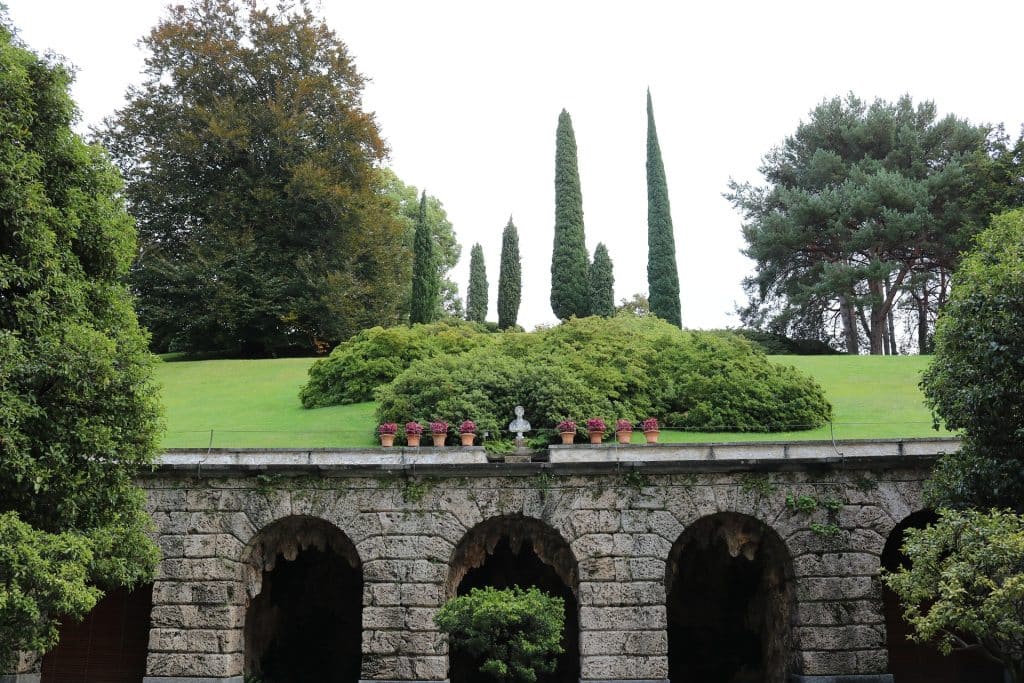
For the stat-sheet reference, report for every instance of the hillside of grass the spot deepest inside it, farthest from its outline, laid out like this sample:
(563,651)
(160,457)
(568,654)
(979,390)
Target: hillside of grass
(253,403)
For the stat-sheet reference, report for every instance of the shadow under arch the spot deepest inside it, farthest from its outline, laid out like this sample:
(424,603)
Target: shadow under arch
(108,646)
(911,662)
(730,594)
(512,550)
(304,581)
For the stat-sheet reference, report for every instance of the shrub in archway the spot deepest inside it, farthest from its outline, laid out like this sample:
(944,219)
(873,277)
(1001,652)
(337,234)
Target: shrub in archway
(514,633)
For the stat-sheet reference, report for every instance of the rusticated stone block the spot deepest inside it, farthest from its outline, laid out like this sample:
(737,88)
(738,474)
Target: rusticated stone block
(623,667)
(205,665)
(623,618)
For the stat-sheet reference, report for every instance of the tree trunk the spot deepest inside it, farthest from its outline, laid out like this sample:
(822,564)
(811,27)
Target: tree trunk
(890,325)
(922,321)
(876,331)
(846,314)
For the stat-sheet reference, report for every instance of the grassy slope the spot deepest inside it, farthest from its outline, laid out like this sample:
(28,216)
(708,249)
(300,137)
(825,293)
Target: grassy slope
(254,403)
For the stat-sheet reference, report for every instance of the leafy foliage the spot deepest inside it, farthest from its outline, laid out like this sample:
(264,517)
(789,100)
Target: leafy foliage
(510,284)
(251,170)
(975,382)
(79,415)
(514,633)
(476,294)
(864,206)
(964,586)
(377,355)
(569,260)
(622,367)
(426,287)
(602,283)
(662,273)
(781,345)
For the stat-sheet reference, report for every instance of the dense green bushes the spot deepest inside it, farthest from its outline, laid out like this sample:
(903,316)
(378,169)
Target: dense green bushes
(622,367)
(377,355)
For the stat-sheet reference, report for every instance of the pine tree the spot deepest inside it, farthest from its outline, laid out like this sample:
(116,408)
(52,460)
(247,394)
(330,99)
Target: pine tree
(510,282)
(426,289)
(476,294)
(662,274)
(602,283)
(569,261)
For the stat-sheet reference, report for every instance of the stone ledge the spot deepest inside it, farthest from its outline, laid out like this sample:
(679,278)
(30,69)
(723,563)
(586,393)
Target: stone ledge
(624,680)
(375,680)
(20,678)
(190,679)
(843,678)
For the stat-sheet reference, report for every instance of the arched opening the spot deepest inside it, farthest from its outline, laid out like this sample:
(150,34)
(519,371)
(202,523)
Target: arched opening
(518,551)
(911,662)
(730,597)
(304,621)
(108,646)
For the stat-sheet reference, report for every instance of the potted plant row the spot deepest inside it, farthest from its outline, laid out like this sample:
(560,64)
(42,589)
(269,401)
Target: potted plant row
(596,429)
(414,432)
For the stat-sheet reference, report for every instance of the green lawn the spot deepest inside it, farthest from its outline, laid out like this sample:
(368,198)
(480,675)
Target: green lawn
(254,403)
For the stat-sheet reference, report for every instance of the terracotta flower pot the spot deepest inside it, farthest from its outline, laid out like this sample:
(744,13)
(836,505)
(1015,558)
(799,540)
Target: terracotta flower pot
(652,436)
(624,436)
(595,437)
(413,440)
(567,437)
(467,438)
(438,439)
(387,440)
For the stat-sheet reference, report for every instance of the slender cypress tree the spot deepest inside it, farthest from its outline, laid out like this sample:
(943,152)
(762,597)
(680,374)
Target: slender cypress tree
(569,260)
(510,280)
(426,289)
(662,274)
(602,283)
(476,293)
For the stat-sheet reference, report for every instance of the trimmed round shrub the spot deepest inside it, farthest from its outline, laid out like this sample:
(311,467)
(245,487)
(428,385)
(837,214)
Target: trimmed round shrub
(611,368)
(377,355)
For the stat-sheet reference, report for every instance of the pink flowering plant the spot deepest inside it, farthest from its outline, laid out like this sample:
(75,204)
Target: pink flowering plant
(467,427)
(413,428)
(387,428)
(439,427)
(566,426)
(623,426)
(596,424)
(650,424)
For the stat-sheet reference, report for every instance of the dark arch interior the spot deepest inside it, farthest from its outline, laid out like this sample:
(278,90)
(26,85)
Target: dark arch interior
(306,623)
(507,554)
(729,603)
(108,646)
(911,662)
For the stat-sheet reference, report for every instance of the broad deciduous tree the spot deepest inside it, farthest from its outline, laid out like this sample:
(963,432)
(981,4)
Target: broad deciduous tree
(569,260)
(510,279)
(662,274)
(602,283)
(476,293)
(79,415)
(250,168)
(864,203)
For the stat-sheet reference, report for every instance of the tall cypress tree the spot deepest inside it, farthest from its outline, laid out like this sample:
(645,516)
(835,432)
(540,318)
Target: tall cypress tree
(569,261)
(662,274)
(602,283)
(476,293)
(426,289)
(510,280)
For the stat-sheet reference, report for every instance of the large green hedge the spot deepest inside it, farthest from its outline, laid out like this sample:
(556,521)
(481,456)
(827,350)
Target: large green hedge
(377,355)
(623,367)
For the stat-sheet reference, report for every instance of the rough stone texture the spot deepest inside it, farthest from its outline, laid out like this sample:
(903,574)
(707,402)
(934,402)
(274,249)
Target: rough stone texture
(620,522)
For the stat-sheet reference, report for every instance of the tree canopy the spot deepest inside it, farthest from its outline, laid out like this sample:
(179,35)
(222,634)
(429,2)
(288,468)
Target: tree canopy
(662,273)
(865,206)
(79,415)
(569,260)
(250,168)
(510,279)
(426,285)
(476,293)
(602,283)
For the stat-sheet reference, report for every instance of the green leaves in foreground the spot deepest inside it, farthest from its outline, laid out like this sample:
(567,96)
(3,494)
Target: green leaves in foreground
(514,633)
(965,585)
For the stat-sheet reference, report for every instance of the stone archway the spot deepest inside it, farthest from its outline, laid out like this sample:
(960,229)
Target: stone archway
(730,600)
(911,662)
(516,550)
(108,646)
(304,619)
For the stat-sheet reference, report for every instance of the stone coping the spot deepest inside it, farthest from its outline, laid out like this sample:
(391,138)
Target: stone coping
(577,459)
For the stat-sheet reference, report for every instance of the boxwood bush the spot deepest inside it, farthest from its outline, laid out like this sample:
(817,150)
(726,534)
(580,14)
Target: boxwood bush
(622,367)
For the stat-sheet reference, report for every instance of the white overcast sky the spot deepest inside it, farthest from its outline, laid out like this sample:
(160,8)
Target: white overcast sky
(467,94)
